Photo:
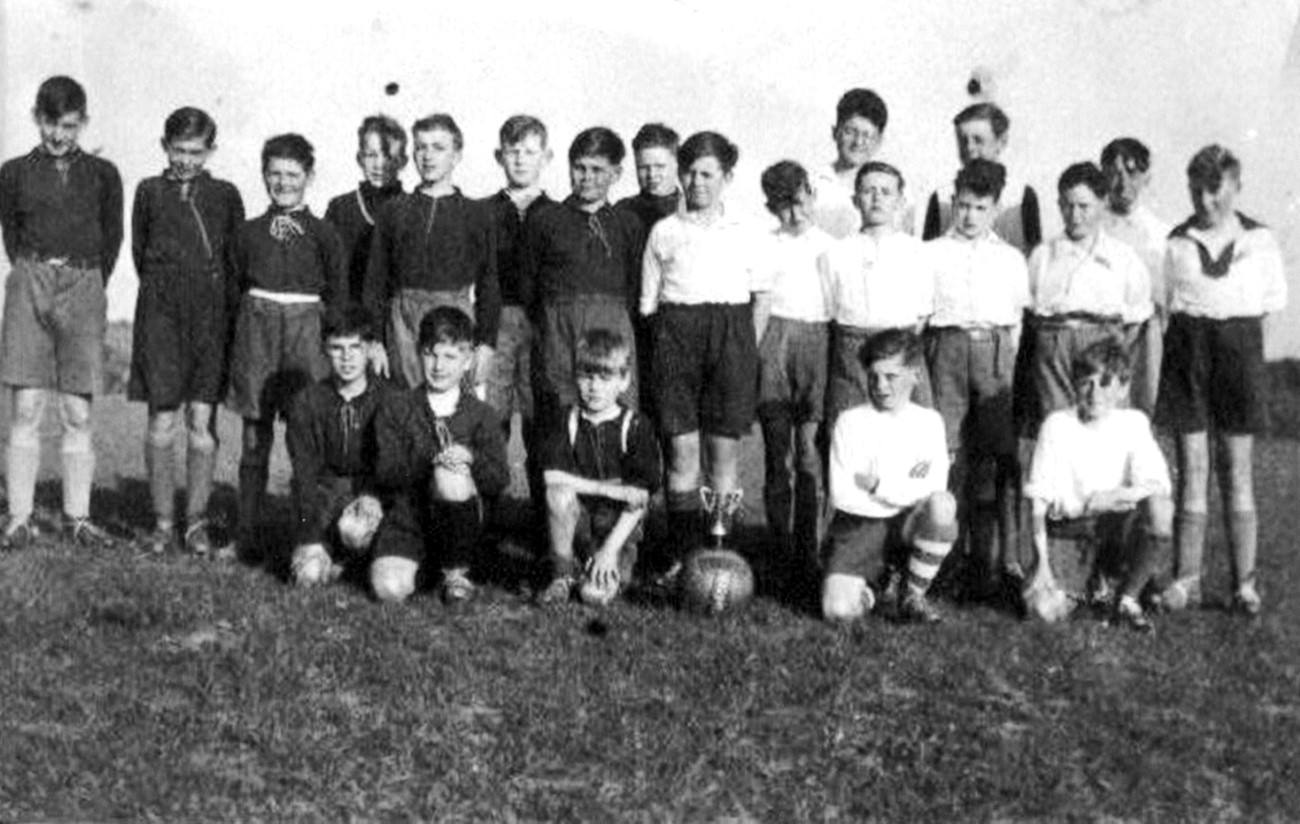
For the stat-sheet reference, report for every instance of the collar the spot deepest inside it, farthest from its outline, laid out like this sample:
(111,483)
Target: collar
(572,202)
(369,190)
(40,153)
(301,210)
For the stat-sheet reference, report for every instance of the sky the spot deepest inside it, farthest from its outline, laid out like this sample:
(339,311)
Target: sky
(1072,74)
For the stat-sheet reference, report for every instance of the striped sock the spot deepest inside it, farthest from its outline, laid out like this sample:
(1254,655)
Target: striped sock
(923,563)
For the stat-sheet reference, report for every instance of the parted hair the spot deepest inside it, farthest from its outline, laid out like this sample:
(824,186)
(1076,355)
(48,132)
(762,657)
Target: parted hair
(782,183)
(391,136)
(1083,174)
(708,144)
(445,324)
(291,146)
(656,136)
(602,352)
(982,178)
(598,141)
(189,123)
(985,111)
(1209,166)
(519,127)
(1127,149)
(440,121)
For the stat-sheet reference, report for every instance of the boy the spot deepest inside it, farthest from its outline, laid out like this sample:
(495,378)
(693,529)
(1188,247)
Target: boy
(601,464)
(331,440)
(889,468)
(981,131)
(381,154)
(1126,162)
(1099,491)
(860,119)
(877,280)
(981,287)
(583,259)
(1084,286)
(433,247)
(182,226)
(61,215)
(440,451)
(792,367)
(288,266)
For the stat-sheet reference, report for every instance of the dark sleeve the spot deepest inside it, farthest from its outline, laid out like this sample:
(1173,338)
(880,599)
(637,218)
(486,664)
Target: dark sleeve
(528,258)
(374,286)
(1030,219)
(236,267)
(400,464)
(635,232)
(9,208)
(305,441)
(556,452)
(334,263)
(491,468)
(641,465)
(110,218)
(140,227)
(933,226)
(332,214)
(487,284)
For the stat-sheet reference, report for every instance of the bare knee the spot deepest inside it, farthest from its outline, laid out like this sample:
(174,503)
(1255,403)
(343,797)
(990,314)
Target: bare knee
(845,597)
(74,412)
(162,429)
(198,428)
(393,579)
(562,503)
(311,565)
(359,522)
(1158,516)
(28,409)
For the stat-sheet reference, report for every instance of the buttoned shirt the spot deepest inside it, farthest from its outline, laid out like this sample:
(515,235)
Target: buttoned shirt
(879,282)
(1103,277)
(977,283)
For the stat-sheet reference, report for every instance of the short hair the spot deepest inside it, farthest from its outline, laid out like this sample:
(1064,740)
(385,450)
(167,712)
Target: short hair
(1209,166)
(891,342)
(289,146)
(391,136)
(346,321)
(862,103)
(656,136)
(598,141)
(1106,357)
(602,352)
(985,111)
(982,178)
(518,128)
(878,166)
(1083,174)
(189,123)
(708,144)
(440,121)
(782,182)
(445,324)
(1128,149)
(60,95)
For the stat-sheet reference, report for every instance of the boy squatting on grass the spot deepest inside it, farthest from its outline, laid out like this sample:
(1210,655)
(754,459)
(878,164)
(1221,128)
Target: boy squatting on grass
(182,226)
(331,440)
(61,215)
(1099,493)
(888,472)
(441,450)
(600,461)
(288,266)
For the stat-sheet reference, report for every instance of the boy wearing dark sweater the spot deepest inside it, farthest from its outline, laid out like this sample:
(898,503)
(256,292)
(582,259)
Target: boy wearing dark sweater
(61,215)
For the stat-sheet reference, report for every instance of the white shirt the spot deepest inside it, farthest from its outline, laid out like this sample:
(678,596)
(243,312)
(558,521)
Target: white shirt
(1254,284)
(878,283)
(1147,235)
(836,212)
(687,261)
(797,287)
(1104,277)
(1072,460)
(890,445)
(977,283)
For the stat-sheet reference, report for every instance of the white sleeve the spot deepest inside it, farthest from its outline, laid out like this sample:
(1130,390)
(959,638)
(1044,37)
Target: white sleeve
(1021,290)
(1273,276)
(1146,468)
(1137,287)
(1045,467)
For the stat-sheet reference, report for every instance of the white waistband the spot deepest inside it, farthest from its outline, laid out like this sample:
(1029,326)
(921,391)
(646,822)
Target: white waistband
(283,297)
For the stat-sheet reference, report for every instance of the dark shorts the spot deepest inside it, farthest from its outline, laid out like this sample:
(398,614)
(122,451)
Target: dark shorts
(1213,376)
(509,384)
(54,324)
(1080,547)
(847,384)
(405,312)
(706,369)
(178,348)
(971,374)
(1043,381)
(792,368)
(865,547)
(321,526)
(445,535)
(560,327)
(276,353)
(596,519)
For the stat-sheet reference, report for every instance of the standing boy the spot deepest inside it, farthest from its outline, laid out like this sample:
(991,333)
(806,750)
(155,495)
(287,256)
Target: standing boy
(182,226)
(860,119)
(433,247)
(289,267)
(61,214)
(441,451)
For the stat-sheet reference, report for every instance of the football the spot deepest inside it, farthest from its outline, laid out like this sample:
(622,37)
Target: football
(716,580)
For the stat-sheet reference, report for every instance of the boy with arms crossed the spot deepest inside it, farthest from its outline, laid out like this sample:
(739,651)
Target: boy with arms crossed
(888,473)
(433,247)
(441,450)
(61,215)
(601,464)
(331,441)
(182,226)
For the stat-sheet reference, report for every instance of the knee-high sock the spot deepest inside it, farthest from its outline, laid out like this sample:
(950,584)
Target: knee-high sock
(200,462)
(461,527)
(24,461)
(1189,531)
(78,476)
(684,525)
(1243,535)
(160,458)
(252,488)
(923,563)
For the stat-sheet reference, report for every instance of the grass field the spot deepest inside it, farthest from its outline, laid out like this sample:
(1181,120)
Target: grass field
(183,690)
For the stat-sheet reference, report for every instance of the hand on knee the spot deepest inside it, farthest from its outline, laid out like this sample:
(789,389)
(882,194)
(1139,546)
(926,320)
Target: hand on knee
(393,579)
(358,523)
(846,597)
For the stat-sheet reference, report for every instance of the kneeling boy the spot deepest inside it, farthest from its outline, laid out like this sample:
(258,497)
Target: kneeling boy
(1098,481)
(440,449)
(331,442)
(601,464)
(888,474)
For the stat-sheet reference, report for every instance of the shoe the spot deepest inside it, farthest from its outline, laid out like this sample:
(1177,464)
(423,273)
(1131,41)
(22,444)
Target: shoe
(917,609)
(670,579)
(18,535)
(1101,591)
(457,588)
(888,599)
(86,533)
(161,541)
(1184,593)
(1128,613)
(197,539)
(557,592)
(1247,600)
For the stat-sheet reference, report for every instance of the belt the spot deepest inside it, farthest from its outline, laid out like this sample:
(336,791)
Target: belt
(973,332)
(67,261)
(1075,320)
(283,297)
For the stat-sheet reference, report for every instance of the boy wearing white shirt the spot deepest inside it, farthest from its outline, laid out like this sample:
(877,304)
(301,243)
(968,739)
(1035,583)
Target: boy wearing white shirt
(888,475)
(860,119)
(1099,491)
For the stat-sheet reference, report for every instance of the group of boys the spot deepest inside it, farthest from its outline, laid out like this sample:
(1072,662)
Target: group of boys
(400,335)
